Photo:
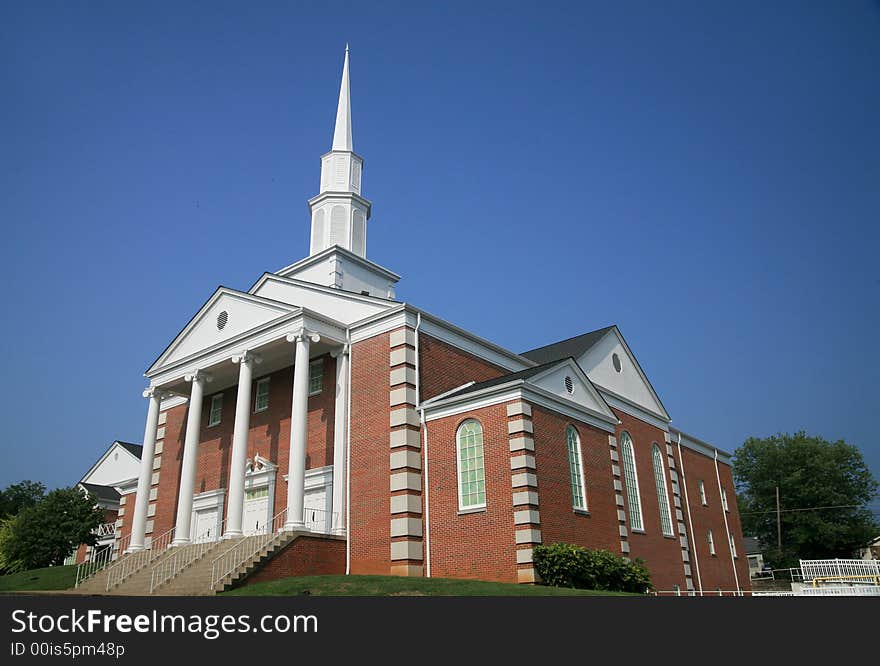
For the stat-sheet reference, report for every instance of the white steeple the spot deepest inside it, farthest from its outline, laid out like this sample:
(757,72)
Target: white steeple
(342,134)
(339,212)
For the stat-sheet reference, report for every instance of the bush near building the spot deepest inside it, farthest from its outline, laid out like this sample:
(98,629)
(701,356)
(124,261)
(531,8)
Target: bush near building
(567,565)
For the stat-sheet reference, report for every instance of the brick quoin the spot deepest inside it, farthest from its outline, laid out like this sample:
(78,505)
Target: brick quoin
(472,545)
(304,556)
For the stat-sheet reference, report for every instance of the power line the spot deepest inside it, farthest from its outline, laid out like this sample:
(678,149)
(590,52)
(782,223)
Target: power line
(809,508)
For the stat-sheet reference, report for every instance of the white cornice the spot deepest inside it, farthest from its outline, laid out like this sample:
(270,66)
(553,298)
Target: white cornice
(351,256)
(313,286)
(664,415)
(698,445)
(114,445)
(631,408)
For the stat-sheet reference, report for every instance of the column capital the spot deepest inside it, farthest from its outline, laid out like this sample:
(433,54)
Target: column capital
(302,334)
(199,376)
(344,350)
(247,356)
(155,392)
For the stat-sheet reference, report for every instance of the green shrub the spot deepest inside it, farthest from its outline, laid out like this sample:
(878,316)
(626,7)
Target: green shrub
(566,565)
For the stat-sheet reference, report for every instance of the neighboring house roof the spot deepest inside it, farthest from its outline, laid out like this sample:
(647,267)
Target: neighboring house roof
(103,493)
(752,545)
(133,449)
(574,347)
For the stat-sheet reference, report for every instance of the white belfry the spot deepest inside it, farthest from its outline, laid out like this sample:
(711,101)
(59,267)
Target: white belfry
(339,212)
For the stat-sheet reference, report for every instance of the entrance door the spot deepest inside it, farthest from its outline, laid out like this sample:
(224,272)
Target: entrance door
(205,526)
(316,516)
(256,510)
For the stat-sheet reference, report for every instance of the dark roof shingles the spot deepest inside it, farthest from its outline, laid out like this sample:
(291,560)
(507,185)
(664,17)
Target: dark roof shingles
(574,347)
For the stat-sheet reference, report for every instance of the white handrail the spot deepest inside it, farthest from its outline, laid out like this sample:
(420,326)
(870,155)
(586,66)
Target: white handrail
(183,556)
(319,520)
(135,561)
(86,570)
(247,548)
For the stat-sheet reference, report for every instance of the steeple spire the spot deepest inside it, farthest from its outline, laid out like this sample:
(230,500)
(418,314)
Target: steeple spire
(342,134)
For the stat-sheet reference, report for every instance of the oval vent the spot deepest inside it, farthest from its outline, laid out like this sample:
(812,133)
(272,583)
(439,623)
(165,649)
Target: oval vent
(569,384)
(222,320)
(615,359)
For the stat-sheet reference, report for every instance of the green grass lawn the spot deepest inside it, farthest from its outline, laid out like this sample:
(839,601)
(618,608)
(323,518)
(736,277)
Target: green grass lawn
(49,578)
(384,586)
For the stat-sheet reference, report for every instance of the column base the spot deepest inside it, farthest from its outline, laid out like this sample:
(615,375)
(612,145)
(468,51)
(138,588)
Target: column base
(232,534)
(295,526)
(133,549)
(180,542)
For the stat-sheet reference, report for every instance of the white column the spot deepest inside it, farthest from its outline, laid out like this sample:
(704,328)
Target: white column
(238,463)
(139,516)
(190,457)
(296,475)
(340,426)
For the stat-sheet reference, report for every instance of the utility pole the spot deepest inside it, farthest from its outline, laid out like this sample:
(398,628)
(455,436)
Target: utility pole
(778,522)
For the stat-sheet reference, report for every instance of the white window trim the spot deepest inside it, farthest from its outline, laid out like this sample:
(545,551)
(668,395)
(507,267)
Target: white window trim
(703,498)
(261,382)
(662,490)
(724,500)
(711,540)
(732,545)
(215,398)
(632,455)
(583,485)
(313,364)
(461,506)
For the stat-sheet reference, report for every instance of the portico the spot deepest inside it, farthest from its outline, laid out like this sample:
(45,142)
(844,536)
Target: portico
(293,336)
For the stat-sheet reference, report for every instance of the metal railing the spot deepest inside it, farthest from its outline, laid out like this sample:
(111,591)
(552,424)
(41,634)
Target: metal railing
(841,591)
(839,571)
(183,556)
(136,561)
(230,560)
(88,569)
(105,529)
(319,520)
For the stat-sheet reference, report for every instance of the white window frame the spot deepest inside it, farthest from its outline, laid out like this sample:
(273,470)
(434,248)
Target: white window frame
(260,383)
(711,540)
(724,499)
(632,489)
(319,364)
(732,545)
(662,492)
(703,498)
(576,471)
(216,407)
(459,467)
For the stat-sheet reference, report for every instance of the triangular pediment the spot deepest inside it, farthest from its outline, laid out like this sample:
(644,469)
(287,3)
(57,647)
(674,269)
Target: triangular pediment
(342,306)
(611,366)
(566,380)
(117,465)
(227,314)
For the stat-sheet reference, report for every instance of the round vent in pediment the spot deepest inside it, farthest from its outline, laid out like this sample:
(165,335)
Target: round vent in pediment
(222,320)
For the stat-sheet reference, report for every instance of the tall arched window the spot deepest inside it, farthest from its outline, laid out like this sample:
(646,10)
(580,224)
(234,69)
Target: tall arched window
(576,469)
(662,495)
(471,469)
(634,500)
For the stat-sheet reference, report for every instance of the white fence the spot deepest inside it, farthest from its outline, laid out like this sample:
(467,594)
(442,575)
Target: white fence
(841,571)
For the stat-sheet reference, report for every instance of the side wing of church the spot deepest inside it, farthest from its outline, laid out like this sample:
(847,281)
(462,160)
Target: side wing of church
(319,420)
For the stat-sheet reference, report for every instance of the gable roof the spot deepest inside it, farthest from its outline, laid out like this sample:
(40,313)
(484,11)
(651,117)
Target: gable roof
(134,449)
(503,379)
(103,493)
(573,347)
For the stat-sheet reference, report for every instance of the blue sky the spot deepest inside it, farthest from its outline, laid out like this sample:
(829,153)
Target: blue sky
(705,175)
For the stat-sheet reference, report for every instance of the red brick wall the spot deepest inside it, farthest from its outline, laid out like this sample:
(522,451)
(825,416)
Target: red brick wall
(473,545)
(559,522)
(268,436)
(662,554)
(443,367)
(370,532)
(715,570)
(304,556)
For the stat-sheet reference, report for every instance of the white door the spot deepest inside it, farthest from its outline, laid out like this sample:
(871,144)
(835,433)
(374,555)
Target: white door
(315,504)
(205,525)
(256,511)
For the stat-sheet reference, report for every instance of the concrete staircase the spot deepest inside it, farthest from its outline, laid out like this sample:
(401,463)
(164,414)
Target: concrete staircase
(195,578)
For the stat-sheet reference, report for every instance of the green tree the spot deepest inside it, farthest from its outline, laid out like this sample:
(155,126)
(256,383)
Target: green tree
(46,533)
(810,472)
(18,496)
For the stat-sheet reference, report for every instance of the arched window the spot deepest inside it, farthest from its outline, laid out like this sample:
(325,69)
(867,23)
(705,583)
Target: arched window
(634,500)
(471,469)
(576,469)
(662,495)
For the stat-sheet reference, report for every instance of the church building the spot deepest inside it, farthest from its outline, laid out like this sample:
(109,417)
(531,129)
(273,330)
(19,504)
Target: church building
(378,438)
